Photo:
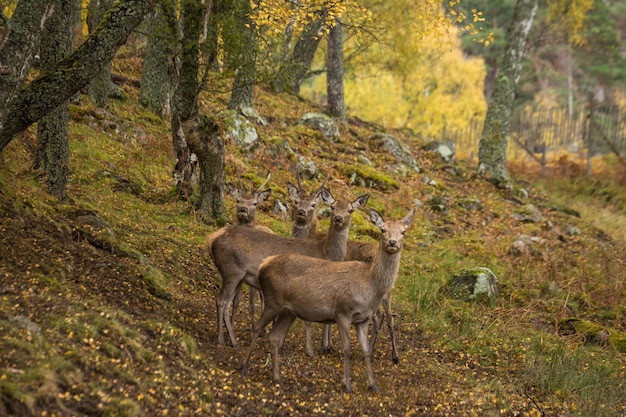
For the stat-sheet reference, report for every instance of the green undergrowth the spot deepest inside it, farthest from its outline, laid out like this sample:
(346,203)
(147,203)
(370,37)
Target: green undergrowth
(129,328)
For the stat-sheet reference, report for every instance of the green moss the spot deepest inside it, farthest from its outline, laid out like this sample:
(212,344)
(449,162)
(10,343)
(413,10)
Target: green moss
(368,176)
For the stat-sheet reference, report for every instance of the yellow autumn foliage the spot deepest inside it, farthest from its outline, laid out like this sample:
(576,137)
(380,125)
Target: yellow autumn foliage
(433,90)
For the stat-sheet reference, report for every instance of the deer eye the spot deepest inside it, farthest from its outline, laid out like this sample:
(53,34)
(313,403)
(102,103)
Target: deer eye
(313,205)
(403,233)
(255,203)
(383,230)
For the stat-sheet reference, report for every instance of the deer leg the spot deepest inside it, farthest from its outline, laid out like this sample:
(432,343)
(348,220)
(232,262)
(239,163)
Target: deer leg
(308,336)
(343,325)
(277,338)
(257,330)
(224,301)
(236,299)
(376,323)
(327,345)
(361,333)
(394,350)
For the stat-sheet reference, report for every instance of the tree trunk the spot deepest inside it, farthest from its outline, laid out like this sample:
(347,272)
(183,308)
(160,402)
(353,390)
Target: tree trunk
(334,76)
(295,68)
(156,77)
(243,34)
(101,87)
(18,51)
(51,89)
(192,133)
(52,155)
(494,140)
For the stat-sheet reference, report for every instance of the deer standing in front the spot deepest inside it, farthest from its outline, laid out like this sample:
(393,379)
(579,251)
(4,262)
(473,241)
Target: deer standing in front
(238,251)
(247,202)
(347,293)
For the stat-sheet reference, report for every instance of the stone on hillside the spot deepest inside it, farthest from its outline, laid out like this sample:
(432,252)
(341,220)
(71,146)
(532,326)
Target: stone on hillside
(322,123)
(239,129)
(445,149)
(397,149)
(477,285)
(280,209)
(471,204)
(528,214)
(308,170)
(526,245)
(252,114)
(24,322)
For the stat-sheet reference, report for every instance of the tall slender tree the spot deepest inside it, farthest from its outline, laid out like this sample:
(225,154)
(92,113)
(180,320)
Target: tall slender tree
(156,77)
(195,134)
(243,53)
(101,87)
(52,154)
(494,140)
(334,75)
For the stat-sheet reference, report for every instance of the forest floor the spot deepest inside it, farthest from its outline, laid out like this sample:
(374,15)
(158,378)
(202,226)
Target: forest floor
(120,320)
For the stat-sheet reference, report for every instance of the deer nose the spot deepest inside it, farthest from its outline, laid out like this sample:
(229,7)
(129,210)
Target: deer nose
(393,243)
(338,219)
(243,209)
(301,212)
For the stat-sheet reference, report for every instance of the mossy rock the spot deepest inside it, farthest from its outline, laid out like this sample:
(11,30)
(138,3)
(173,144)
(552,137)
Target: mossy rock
(594,333)
(366,176)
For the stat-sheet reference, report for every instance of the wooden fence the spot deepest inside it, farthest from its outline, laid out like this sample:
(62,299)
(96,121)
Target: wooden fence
(587,131)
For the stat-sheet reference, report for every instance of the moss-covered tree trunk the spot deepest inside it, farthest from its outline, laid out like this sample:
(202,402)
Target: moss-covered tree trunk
(19,49)
(334,75)
(297,64)
(156,77)
(243,41)
(495,136)
(101,87)
(194,134)
(19,109)
(52,155)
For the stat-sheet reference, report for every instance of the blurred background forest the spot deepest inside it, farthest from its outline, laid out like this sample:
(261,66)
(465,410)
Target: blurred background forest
(436,85)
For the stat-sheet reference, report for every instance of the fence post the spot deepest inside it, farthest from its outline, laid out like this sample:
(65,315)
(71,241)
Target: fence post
(589,136)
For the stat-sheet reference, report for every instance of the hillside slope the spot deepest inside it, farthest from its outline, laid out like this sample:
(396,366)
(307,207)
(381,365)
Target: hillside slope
(107,301)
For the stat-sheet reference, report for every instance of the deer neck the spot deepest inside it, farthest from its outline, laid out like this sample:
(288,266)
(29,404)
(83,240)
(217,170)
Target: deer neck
(305,229)
(335,244)
(384,270)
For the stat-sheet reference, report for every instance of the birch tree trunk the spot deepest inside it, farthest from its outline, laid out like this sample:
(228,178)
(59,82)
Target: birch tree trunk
(101,87)
(334,75)
(244,56)
(52,154)
(195,135)
(494,140)
(155,92)
(298,63)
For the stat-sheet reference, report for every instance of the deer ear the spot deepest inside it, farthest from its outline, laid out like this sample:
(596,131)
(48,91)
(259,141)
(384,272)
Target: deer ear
(234,191)
(361,201)
(377,219)
(263,195)
(408,219)
(293,191)
(326,196)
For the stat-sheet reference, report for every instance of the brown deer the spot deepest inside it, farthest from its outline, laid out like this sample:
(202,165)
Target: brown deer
(238,251)
(247,202)
(305,216)
(317,290)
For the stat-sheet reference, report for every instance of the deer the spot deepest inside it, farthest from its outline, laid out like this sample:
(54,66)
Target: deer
(305,216)
(317,290)
(238,251)
(247,202)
